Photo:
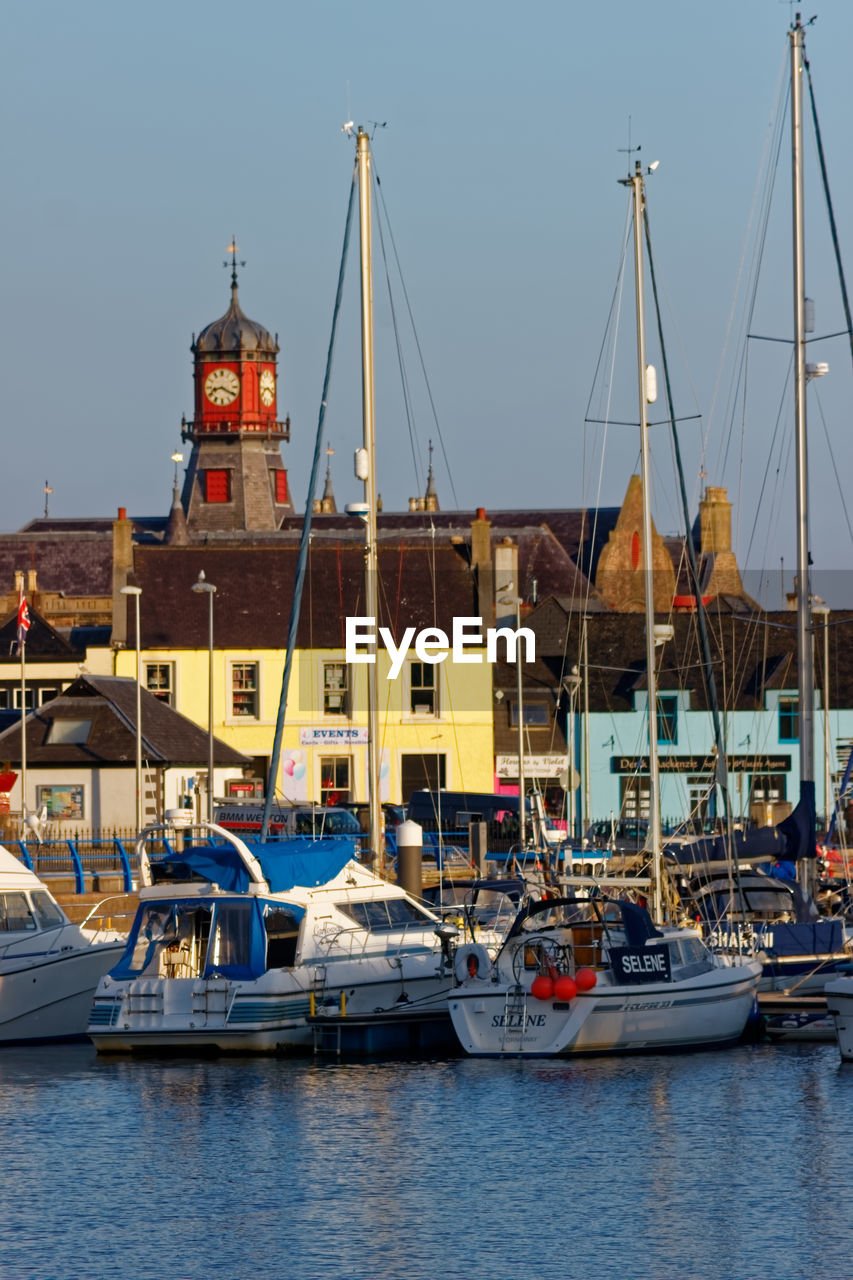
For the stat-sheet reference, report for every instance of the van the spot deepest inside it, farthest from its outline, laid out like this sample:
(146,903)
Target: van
(294,820)
(452,812)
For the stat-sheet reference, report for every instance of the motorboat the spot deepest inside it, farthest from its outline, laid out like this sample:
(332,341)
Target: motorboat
(234,947)
(49,967)
(593,975)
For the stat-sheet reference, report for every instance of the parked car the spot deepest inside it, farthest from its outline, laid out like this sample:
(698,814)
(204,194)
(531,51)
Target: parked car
(619,835)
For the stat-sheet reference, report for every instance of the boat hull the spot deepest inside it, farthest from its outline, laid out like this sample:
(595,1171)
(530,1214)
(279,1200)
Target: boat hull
(45,999)
(493,1021)
(839,1003)
(266,1016)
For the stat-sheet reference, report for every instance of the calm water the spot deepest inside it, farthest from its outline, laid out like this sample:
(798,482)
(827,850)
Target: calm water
(721,1165)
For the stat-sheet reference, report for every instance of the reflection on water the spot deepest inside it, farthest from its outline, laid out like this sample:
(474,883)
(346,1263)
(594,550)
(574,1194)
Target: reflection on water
(715,1165)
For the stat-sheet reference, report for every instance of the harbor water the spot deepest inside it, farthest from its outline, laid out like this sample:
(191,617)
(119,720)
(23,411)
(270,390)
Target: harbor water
(731,1164)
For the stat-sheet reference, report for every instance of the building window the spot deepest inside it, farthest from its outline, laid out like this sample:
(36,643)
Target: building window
(535,714)
(334,779)
(668,719)
(335,688)
(789,720)
(280,486)
(702,801)
(217,485)
(47,692)
(422,773)
(160,680)
(422,689)
(635,797)
(244,689)
(768,788)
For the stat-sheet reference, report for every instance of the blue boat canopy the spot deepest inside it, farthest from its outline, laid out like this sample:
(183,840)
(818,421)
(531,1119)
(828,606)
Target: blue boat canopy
(285,864)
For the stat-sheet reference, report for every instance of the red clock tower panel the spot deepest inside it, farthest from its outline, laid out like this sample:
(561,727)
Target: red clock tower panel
(236,478)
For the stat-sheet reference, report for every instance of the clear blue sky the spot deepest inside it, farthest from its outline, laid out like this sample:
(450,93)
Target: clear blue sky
(138,139)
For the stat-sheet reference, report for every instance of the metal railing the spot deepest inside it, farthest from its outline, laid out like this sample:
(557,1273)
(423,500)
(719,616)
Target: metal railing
(80,857)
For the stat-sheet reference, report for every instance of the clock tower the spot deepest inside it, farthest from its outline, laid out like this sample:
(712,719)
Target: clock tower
(235,480)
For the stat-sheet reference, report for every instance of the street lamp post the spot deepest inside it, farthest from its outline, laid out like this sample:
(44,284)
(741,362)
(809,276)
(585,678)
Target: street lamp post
(136,592)
(202,586)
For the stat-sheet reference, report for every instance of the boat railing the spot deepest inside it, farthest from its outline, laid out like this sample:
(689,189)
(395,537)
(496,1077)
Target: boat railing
(354,940)
(54,940)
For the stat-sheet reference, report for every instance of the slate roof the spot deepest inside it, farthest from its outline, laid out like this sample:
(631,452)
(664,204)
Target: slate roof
(44,642)
(419,586)
(109,702)
(78,563)
(751,653)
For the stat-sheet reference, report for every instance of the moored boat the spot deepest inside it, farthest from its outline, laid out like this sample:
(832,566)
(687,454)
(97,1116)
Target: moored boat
(595,976)
(49,967)
(233,947)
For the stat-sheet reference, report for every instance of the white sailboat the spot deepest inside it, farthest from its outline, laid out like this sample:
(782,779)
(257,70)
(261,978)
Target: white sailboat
(596,976)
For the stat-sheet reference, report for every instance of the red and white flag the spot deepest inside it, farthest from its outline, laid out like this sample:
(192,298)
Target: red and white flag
(23,619)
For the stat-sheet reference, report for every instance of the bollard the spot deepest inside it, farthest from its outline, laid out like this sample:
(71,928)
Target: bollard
(410,838)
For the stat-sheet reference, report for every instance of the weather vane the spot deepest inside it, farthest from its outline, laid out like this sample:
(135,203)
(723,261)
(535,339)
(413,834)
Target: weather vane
(47,492)
(232,261)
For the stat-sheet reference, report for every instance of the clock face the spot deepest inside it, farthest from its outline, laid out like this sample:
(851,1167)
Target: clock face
(221,386)
(267,384)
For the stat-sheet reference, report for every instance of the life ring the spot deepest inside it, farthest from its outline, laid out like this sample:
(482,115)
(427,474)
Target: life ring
(472,961)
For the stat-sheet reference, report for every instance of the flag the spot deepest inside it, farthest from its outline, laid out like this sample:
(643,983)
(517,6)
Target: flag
(23,620)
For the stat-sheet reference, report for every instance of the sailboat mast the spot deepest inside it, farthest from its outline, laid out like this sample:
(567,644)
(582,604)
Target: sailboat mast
(645,392)
(805,652)
(368,419)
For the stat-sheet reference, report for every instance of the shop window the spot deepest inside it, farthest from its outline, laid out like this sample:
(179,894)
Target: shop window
(422,773)
(334,779)
(635,797)
(768,788)
(244,689)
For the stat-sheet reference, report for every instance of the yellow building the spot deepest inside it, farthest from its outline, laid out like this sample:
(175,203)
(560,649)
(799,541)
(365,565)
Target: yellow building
(436,724)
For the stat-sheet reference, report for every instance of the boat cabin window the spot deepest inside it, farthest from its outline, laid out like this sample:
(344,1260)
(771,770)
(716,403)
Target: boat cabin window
(230,945)
(45,909)
(282,929)
(170,940)
(692,950)
(384,915)
(769,902)
(15,914)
